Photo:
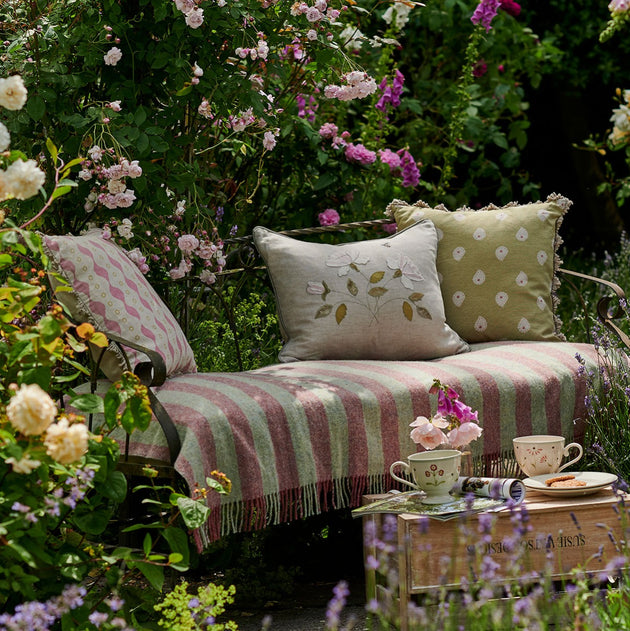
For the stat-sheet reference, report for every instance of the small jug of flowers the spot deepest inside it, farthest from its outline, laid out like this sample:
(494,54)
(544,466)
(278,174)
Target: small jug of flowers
(453,427)
(454,424)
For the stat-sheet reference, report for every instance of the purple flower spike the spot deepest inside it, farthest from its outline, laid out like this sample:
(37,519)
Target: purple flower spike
(485,12)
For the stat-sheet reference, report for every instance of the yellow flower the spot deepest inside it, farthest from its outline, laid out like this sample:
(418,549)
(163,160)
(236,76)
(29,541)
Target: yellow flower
(31,410)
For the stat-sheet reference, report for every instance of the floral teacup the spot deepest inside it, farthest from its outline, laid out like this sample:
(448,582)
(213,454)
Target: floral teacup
(434,472)
(542,454)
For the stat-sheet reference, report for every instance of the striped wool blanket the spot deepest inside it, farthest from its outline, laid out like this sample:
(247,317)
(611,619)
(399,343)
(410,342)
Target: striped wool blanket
(298,439)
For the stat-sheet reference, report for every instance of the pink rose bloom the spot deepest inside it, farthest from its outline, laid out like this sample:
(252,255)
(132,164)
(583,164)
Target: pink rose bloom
(425,433)
(328,130)
(511,7)
(464,434)
(329,217)
(194,19)
(390,158)
(185,6)
(269,140)
(358,153)
(187,243)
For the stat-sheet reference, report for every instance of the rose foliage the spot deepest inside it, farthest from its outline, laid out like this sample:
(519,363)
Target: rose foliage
(201,119)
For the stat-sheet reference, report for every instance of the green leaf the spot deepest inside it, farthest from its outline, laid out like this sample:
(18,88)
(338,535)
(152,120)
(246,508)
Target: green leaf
(52,150)
(352,287)
(49,329)
(36,107)
(115,487)
(147,544)
(71,566)
(377,277)
(153,573)
(179,544)
(112,402)
(88,403)
(323,311)
(62,190)
(194,512)
(90,521)
(416,297)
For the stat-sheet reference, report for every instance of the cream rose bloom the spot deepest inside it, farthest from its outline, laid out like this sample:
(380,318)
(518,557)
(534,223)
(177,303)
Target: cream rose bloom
(5,137)
(22,179)
(12,93)
(31,410)
(66,443)
(24,465)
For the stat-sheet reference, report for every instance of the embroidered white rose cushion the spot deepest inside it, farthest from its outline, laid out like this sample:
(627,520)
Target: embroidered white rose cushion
(374,299)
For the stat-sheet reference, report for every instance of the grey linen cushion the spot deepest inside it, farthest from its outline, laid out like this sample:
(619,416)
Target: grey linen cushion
(374,299)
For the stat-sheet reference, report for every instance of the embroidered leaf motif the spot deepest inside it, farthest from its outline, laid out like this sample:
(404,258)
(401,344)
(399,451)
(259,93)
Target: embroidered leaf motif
(340,314)
(352,287)
(416,297)
(397,274)
(377,292)
(322,312)
(326,290)
(407,310)
(377,277)
(423,313)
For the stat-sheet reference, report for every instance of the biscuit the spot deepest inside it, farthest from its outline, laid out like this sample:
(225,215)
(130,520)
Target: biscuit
(559,478)
(563,484)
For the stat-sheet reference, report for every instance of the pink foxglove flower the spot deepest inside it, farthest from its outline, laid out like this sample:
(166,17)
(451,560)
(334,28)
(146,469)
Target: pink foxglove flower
(453,424)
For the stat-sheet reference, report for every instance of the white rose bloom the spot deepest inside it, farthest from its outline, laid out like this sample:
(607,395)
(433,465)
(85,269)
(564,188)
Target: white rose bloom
(31,410)
(24,465)
(23,179)
(12,93)
(113,56)
(116,186)
(5,137)
(66,443)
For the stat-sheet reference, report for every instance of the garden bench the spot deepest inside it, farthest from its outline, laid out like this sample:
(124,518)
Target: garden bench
(301,437)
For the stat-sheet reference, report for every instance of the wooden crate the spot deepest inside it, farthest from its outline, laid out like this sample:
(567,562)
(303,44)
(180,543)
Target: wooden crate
(562,535)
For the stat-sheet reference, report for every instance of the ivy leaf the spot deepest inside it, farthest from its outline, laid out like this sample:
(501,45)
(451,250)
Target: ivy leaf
(377,292)
(377,277)
(352,287)
(423,313)
(407,310)
(341,312)
(324,311)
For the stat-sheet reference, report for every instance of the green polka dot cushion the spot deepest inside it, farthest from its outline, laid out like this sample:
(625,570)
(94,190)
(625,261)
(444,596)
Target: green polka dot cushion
(497,266)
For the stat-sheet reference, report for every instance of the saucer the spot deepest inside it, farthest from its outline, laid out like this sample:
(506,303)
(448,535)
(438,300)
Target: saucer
(595,481)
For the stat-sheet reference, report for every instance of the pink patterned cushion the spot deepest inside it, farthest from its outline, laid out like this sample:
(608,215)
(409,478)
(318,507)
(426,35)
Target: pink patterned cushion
(110,292)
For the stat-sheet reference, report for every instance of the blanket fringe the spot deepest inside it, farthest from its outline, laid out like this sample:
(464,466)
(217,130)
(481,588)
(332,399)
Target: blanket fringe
(289,505)
(302,502)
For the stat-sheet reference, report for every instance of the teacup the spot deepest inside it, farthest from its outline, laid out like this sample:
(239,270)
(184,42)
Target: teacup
(434,472)
(542,454)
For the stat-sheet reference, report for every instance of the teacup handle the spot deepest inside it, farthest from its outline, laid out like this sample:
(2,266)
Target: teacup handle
(566,454)
(407,468)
